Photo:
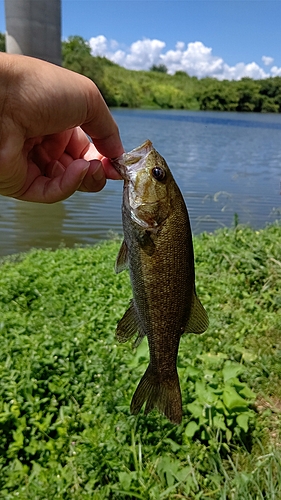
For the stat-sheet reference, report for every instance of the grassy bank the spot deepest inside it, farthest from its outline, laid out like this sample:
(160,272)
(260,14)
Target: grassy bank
(66,385)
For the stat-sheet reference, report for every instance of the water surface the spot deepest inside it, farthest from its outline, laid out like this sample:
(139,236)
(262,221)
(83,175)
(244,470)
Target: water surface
(224,163)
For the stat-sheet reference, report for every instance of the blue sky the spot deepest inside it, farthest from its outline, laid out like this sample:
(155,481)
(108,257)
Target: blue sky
(220,38)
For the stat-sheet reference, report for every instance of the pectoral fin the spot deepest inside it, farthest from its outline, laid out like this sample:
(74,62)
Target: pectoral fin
(122,258)
(198,320)
(146,242)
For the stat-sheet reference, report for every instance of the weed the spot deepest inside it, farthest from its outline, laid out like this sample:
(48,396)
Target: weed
(66,384)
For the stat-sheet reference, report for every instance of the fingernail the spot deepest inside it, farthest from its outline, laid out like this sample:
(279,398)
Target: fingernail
(98,174)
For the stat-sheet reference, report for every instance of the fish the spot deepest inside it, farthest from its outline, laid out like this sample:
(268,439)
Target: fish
(158,251)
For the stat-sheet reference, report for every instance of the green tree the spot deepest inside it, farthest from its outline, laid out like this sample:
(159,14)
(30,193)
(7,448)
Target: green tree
(76,54)
(2,42)
(217,96)
(161,68)
(181,74)
(271,92)
(249,95)
(268,105)
(75,46)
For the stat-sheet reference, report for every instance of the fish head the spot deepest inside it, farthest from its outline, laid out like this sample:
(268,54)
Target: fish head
(148,185)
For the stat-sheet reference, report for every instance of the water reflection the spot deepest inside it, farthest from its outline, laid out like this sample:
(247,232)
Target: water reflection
(29,222)
(92,217)
(225,163)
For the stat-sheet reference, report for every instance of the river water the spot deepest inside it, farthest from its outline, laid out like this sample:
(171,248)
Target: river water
(224,163)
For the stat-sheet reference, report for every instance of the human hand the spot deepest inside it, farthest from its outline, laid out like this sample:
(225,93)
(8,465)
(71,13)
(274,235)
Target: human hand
(45,110)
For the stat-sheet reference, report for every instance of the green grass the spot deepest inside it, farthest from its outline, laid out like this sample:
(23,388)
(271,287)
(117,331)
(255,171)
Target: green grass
(66,384)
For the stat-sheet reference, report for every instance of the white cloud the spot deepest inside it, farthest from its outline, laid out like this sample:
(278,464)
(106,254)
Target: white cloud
(142,54)
(194,58)
(241,70)
(180,45)
(99,45)
(275,71)
(267,61)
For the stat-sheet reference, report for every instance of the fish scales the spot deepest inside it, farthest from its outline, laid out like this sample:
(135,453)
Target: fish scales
(158,251)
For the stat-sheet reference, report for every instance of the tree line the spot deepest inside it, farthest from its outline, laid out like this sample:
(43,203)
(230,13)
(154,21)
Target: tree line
(156,89)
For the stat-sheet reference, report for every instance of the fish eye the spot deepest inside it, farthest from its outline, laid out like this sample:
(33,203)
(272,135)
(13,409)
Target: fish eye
(158,173)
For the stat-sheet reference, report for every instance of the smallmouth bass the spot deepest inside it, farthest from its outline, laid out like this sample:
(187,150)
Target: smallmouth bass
(158,251)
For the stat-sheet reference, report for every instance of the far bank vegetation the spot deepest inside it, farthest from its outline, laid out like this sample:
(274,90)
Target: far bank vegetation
(156,89)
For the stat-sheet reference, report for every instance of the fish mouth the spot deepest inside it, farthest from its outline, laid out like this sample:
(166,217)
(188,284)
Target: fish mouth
(133,160)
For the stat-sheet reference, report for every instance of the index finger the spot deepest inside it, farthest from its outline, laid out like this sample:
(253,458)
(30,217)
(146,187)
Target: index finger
(101,126)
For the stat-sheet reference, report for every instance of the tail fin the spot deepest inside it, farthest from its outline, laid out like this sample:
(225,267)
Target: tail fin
(164,395)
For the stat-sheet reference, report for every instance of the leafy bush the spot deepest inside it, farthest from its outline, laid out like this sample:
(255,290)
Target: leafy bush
(220,405)
(66,385)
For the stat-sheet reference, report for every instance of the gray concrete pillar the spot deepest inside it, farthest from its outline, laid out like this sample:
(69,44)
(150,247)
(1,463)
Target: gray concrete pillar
(33,28)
